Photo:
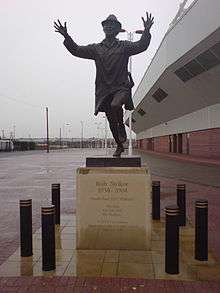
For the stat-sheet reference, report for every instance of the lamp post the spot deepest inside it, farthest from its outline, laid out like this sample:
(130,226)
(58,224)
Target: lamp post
(3,133)
(65,135)
(14,127)
(60,138)
(47,128)
(106,133)
(98,124)
(81,134)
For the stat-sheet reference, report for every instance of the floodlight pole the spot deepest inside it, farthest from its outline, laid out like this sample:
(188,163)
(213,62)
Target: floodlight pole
(81,134)
(47,122)
(106,141)
(130,38)
(60,138)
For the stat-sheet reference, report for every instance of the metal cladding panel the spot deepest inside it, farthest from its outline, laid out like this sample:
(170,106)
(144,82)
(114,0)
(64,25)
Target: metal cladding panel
(178,42)
(206,118)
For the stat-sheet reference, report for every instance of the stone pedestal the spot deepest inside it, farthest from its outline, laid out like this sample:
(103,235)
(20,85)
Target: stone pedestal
(113,208)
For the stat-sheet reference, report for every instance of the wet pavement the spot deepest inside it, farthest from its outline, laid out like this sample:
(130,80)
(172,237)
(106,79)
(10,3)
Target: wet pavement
(195,172)
(30,175)
(112,263)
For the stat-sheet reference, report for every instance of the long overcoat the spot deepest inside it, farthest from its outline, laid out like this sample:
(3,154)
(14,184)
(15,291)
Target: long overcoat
(111,60)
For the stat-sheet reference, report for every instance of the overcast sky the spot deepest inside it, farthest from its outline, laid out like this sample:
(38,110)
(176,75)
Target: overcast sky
(37,71)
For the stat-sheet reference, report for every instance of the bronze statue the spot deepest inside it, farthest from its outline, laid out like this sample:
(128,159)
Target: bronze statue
(113,81)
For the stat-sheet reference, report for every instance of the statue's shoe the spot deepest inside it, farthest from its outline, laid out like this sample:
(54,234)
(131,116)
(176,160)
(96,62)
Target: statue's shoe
(122,133)
(118,151)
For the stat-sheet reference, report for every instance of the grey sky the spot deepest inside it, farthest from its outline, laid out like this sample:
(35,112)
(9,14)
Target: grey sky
(36,68)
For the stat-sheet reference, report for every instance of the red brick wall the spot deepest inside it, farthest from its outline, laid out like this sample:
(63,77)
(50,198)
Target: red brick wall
(215,143)
(161,144)
(184,143)
(150,144)
(142,144)
(199,143)
(204,143)
(158,144)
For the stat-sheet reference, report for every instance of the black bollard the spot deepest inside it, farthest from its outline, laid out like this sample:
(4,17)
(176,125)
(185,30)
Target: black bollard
(181,202)
(172,240)
(55,189)
(201,230)
(48,238)
(156,200)
(26,238)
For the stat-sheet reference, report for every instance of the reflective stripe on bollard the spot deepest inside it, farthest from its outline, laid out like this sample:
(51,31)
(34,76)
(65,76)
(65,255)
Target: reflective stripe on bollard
(48,238)
(201,230)
(181,202)
(172,240)
(156,200)
(26,237)
(55,189)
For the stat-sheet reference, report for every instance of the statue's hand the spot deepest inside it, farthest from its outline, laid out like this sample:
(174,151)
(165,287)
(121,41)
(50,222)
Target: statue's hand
(59,28)
(149,22)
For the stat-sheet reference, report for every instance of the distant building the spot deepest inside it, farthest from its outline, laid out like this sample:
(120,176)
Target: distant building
(6,145)
(177,103)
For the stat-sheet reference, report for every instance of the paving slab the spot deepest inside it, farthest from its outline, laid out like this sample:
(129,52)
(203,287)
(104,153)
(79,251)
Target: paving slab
(30,175)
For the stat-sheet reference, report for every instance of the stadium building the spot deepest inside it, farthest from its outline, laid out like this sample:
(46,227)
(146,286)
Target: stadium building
(177,103)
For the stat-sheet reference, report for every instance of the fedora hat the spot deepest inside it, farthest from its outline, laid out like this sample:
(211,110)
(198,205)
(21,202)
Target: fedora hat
(112,18)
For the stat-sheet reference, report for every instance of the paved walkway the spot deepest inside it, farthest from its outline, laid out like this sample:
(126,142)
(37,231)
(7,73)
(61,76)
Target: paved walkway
(31,174)
(185,158)
(182,167)
(134,264)
(202,181)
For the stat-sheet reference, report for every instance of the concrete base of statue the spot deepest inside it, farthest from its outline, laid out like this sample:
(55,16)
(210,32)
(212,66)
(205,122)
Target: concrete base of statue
(113,208)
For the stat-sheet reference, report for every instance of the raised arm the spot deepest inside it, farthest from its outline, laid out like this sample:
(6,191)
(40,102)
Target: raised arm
(134,48)
(86,52)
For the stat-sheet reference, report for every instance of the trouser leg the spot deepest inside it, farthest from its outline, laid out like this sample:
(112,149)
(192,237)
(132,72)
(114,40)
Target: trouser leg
(113,124)
(114,113)
(116,107)
(120,116)
(121,127)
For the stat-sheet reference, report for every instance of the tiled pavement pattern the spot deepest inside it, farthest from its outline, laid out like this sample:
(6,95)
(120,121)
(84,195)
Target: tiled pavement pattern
(24,176)
(112,263)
